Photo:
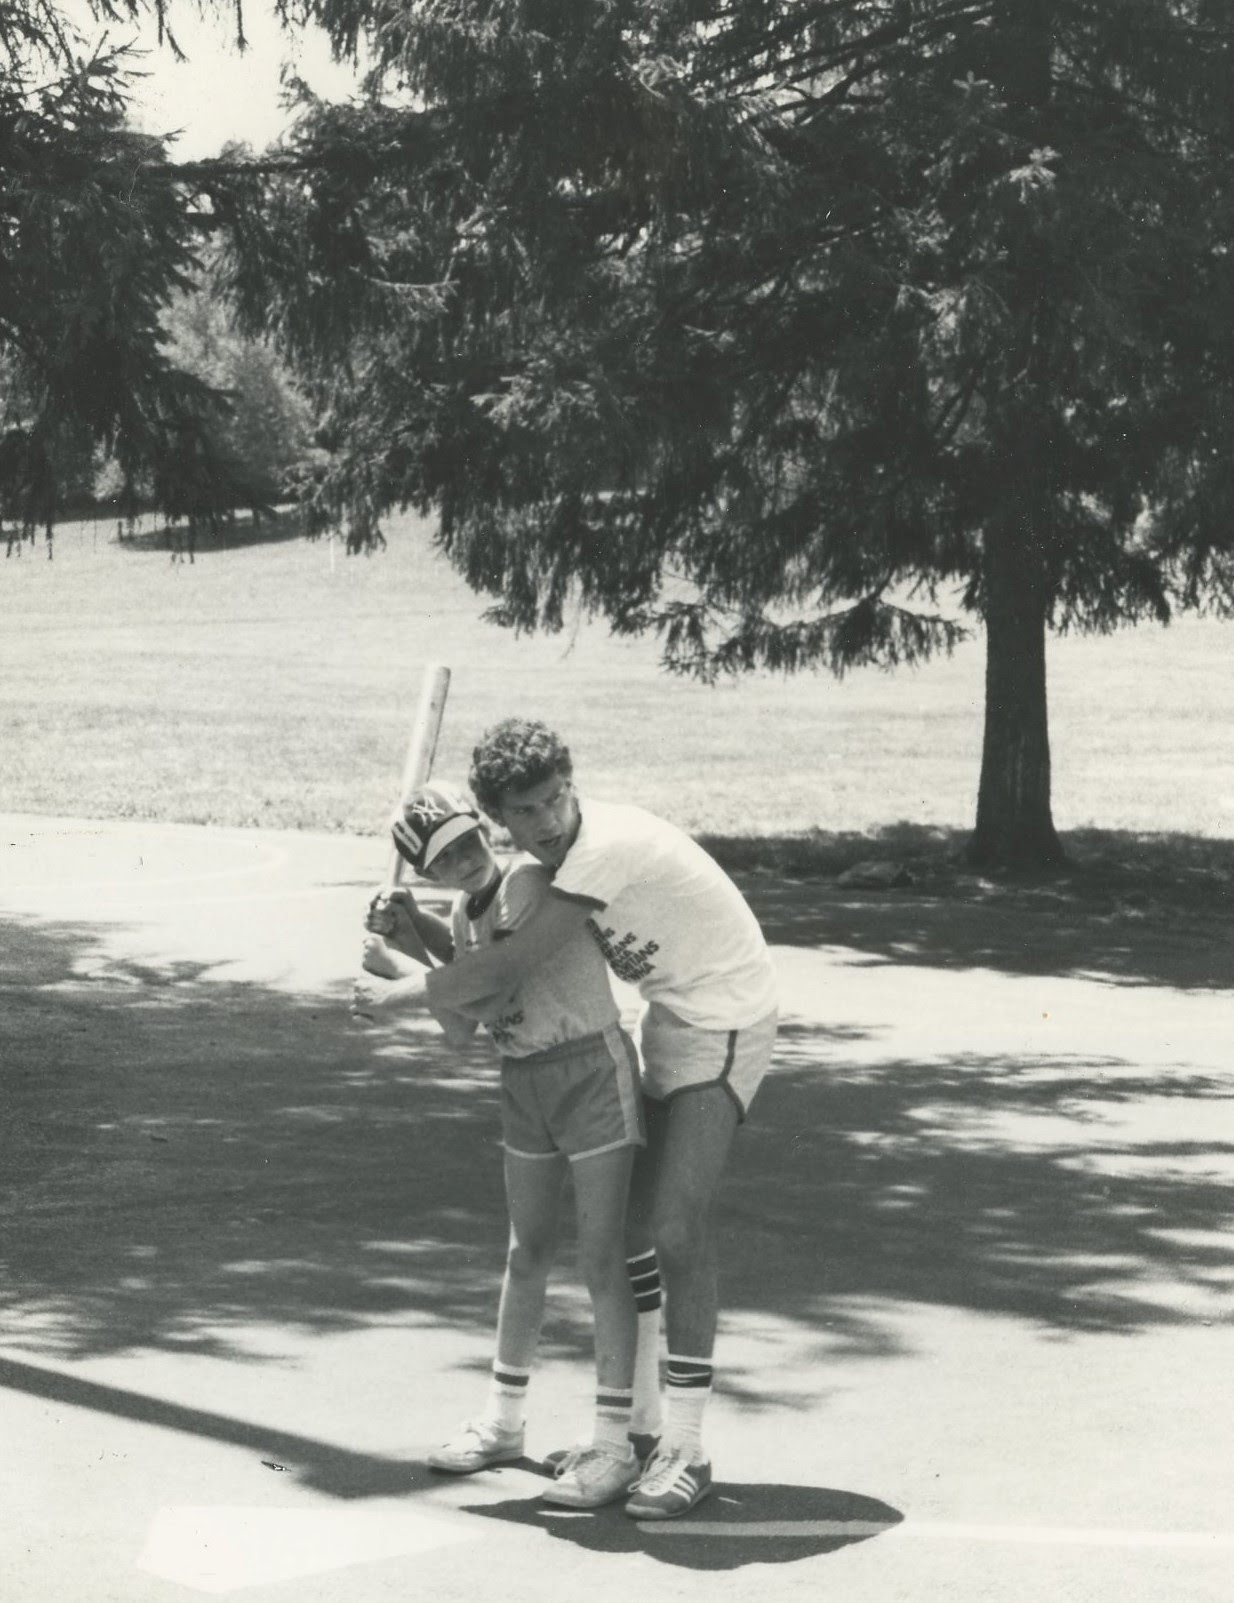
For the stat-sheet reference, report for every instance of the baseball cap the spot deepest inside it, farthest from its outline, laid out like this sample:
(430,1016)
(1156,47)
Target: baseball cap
(431,819)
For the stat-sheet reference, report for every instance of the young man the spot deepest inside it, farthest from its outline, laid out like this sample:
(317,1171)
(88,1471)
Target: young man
(569,1099)
(672,923)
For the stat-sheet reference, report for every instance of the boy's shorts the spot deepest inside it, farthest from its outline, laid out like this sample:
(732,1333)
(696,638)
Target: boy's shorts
(581,1098)
(680,1057)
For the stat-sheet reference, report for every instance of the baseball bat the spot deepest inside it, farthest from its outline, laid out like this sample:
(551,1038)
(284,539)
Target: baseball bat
(421,749)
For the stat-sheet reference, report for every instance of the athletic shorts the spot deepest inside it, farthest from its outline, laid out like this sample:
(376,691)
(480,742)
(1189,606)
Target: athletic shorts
(680,1057)
(581,1098)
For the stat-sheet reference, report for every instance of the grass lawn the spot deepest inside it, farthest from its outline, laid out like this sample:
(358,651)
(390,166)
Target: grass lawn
(266,684)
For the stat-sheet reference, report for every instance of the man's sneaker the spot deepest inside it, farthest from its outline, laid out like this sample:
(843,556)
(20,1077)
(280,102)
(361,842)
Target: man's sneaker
(475,1445)
(642,1442)
(670,1485)
(589,1477)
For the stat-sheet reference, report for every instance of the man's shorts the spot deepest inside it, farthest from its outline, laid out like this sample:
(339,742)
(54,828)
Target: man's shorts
(680,1057)
(581,1098)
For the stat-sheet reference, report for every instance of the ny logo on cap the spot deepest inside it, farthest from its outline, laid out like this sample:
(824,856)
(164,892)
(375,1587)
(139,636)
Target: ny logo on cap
(429,808)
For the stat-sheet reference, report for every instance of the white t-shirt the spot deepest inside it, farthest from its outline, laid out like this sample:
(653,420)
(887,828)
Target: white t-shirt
(668,918)
(564,999)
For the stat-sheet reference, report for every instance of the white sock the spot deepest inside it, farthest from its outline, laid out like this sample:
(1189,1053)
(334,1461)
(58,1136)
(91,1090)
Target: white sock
(689,1388)
(507,1396)
(644,1274)
(612,1428)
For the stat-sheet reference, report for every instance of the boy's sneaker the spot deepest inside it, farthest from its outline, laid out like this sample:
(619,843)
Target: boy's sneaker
(642,1442)
(669,1486)
(475,1445)
(589,1477)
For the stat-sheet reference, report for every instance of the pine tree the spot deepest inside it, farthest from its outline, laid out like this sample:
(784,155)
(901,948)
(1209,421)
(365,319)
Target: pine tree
(765,324)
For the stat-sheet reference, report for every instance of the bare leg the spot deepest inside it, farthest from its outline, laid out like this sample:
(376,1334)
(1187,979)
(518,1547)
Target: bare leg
(643,1180)
(601,1189)
(593,1475)
(533,1196)
(689,1140)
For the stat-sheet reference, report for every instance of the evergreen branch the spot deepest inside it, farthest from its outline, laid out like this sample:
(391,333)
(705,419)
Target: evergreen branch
(868,632)
(822,61)
(258,167)
(961,399)
(1164,116)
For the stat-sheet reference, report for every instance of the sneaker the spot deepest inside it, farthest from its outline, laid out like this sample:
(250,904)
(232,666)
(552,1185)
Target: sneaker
(561,1460)
(475,1445)
(643,1443)
(670,1485)
(589,1477)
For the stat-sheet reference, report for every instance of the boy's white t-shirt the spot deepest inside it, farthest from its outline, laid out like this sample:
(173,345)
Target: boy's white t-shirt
(668,918)
(565,999)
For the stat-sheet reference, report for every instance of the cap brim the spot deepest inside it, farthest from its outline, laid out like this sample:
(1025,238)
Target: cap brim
(446,834)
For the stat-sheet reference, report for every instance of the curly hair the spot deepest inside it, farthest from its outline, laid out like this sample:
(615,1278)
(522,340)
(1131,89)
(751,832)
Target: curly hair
(514,755)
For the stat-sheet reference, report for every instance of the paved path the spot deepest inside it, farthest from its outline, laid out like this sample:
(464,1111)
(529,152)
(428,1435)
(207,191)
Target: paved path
(978,1268)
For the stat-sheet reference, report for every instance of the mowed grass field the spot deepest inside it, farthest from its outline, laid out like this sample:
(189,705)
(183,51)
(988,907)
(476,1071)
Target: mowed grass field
(271,685)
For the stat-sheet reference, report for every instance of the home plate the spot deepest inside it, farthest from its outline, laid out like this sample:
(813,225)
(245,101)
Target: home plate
(225,1549)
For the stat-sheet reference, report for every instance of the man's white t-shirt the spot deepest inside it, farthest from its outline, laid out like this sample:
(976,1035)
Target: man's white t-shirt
(566,999)
(668,918)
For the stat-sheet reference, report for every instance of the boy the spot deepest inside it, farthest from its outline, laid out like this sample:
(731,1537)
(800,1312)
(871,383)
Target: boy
(671,922)
(570,1097)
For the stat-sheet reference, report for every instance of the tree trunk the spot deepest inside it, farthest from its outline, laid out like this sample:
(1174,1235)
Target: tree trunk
(1015,828)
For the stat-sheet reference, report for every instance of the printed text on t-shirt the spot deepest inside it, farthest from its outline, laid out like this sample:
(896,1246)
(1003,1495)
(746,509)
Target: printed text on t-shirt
(627,961)
(502,1029)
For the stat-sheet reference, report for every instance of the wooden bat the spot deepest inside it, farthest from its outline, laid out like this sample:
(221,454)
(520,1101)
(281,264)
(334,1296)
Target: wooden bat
(421,749)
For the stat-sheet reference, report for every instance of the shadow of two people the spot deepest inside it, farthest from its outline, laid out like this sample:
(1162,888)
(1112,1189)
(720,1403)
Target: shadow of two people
(737,1525)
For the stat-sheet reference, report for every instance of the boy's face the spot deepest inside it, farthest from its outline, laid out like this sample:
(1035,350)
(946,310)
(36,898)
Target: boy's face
(543,819)
(466,864)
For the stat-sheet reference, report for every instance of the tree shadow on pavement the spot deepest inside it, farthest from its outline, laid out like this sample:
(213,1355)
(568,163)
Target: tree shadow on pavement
(736,1526)
(181,1156)
(1131,909)
(184,1157)
(1080,1195)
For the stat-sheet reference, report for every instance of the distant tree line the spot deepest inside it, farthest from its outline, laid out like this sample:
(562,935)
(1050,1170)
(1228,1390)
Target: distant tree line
(122,382)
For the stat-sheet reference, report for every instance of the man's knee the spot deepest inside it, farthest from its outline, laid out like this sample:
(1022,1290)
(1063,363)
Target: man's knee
(680,1231)
(531,1256)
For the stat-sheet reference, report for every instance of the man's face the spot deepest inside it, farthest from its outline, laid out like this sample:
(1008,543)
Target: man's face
(543,819)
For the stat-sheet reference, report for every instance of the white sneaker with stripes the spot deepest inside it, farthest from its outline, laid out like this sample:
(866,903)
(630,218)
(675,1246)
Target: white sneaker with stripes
(669,1486)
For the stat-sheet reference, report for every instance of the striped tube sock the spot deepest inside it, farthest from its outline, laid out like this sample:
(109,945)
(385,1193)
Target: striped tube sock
(689,1387)
(613,1418)
(507,1395)
(644,1272)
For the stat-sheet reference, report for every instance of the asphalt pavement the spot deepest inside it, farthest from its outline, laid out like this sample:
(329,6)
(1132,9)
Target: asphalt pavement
(978,1264)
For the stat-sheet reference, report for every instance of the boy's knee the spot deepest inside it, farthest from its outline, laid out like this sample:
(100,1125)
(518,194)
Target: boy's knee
(603,1263)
